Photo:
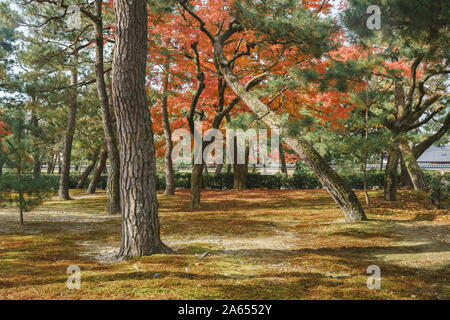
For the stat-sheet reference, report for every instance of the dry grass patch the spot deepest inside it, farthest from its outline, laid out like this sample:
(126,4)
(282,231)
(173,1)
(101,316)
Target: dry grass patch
(262,244)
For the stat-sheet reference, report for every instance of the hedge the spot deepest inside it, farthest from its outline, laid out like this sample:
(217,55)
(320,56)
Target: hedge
(224,181)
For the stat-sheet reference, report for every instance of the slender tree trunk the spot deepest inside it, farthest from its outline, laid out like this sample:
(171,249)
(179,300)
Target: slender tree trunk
(382,161)
(113,183)
(390,177)
(139,204)
(19,175)
(415,173)
(168,165)
(218,170)
(98,172)
(366,151)
(88,170)
(2,162)
(335,185)
(196,185)
(283,159)
(64,177)
(36,157)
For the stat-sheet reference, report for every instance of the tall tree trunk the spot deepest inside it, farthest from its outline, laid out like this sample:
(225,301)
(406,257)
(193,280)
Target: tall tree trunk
(218,169)
(366,151)
(390,176)
(196,185)
(2,162)
(381,161)
(335,185)
(240,170)
(404,176)
(415,173)
(88,170)
(98,172)
(282,159)
(34,130)
(64,177)
(113,183)
(168,165)
(139,204)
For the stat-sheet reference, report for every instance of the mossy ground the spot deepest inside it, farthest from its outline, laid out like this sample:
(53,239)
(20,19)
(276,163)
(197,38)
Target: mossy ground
(263,244)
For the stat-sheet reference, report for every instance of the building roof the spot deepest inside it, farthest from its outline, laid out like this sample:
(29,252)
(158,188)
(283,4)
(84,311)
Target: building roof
(436,154)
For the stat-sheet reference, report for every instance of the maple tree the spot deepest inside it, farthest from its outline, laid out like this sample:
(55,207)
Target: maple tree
(274,44)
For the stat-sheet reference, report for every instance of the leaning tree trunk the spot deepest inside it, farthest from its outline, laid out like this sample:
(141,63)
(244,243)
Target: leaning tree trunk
(64,170)
(98,172)
(415,173)
(168,165)
(390,176)
(335,185)
(196,185)
(88,170)
(139,203)
(113,183)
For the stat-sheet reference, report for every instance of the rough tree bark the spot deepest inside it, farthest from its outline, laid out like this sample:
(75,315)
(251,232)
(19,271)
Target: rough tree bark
(64,168)
(98,172)
(405,180)
(196,185)
(282,159)
(88,169)
(34,130)
(168,165)
(240,170)
(139,204)
(415,173)
(390,176)
(113,183)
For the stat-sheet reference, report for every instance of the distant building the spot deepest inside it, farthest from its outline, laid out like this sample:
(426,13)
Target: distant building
(435,158)
(436,155)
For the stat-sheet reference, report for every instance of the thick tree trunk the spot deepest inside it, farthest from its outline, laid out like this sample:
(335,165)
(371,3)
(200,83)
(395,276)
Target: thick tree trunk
(338,189)
(196,185)
(139,204)
(88,170)
(113,184)
(415,173)
(240,170)
(168,165)
(64,177)
(240,177)
(98,172)
(390,176)
(404,176)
